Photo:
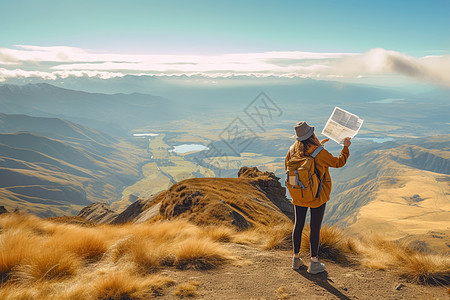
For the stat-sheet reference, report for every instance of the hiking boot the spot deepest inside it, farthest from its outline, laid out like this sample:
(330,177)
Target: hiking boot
(316,267)
(297,262)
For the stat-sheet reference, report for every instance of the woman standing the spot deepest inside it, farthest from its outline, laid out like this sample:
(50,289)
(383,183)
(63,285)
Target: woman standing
(305,145)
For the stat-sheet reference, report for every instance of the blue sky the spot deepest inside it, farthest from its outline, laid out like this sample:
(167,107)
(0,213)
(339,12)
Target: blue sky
(411,29)
(194,27)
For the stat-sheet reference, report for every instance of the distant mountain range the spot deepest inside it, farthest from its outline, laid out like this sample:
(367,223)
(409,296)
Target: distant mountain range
(115,114)
(189,98)
(54,128)
(194,94)
(51,166)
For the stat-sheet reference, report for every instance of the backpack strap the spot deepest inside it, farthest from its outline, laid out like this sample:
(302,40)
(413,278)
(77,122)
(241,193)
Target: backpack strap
(318,149)
(298,182)
(313,155)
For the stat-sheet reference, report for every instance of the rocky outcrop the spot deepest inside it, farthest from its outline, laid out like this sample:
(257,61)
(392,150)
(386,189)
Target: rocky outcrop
(254,197)
(239,220)
(133,212)
(98,213)
(270,185)
(3,210)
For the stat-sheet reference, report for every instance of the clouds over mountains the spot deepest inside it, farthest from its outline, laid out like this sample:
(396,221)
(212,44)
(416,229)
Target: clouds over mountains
(62,62)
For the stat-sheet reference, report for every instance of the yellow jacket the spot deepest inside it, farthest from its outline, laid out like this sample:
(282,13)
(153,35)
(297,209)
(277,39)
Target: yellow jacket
(323,161)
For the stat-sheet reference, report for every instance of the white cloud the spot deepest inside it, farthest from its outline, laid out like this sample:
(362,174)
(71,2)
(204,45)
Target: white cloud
(432,69)
(61,62)
(18,73)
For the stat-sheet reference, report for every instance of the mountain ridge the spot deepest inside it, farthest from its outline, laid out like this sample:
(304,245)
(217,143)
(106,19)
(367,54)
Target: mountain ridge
(82,162)
(110,113)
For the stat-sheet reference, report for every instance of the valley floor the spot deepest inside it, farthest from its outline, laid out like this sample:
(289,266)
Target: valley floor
(268,275)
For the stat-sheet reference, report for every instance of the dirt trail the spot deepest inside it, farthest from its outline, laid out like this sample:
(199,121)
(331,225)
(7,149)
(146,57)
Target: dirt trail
(268,275)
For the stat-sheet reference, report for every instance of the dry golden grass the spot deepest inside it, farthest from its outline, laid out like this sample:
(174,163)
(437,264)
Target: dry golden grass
(373,251)
(425,268)
(378,253)
(114,284)
(25,222)
(42,259)
(278,237)
(220,233)
(46,265)
(199,254)
(334,244)
(185,290)
(266,237)
(133,250)
(72,220)
(86,243)
(120,285)
(15,247)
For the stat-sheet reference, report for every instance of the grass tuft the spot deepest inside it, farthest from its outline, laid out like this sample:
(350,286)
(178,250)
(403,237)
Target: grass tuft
(186,290)
(424,268)
(265,237)
(278,237)
(86,243)
(15,247)
(220,233)
(200,254)
(333,244)
(47,265)
(120,285)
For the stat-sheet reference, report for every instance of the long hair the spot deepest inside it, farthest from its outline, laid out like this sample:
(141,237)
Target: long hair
(301,147)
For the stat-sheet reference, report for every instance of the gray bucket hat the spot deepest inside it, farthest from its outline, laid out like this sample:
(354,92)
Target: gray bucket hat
(303,131)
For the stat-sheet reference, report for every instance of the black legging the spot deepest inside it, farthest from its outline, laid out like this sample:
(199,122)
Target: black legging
(315,224)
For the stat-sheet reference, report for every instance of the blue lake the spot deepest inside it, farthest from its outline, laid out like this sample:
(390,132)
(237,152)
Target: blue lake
(188,148)
(377,140)
(145,134)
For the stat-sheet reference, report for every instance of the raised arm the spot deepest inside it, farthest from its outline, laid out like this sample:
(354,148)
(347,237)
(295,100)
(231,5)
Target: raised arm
(326,159)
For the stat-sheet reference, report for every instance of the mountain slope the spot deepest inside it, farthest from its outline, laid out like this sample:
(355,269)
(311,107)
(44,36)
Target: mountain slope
(52,176)
(398,188)
(53,128)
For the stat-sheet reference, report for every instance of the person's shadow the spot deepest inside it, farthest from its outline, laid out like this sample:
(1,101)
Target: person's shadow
(323,281)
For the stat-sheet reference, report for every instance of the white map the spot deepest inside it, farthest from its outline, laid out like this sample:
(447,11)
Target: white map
(342,124)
